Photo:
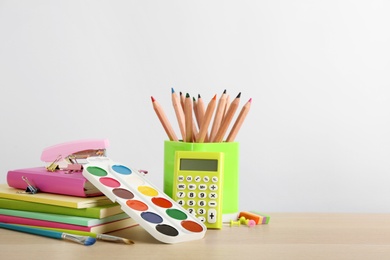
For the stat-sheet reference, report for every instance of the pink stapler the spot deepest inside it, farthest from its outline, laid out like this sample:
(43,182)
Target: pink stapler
(67,156)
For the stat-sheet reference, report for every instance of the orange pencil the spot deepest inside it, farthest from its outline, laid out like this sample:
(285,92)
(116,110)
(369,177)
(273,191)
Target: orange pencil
(164,120)
(206,120)
(240,119)
(218,116)
(179,113)
(188,118)
(228,118)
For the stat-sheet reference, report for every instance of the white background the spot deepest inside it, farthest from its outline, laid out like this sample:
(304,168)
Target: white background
(317,136)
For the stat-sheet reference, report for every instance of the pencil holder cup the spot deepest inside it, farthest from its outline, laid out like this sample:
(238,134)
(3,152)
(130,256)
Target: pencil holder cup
(230,171)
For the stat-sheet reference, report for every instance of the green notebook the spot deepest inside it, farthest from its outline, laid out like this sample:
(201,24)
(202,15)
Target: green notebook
(93,212)
(81,221)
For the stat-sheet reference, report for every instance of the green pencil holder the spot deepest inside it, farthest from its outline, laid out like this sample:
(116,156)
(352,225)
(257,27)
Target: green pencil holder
(230,193)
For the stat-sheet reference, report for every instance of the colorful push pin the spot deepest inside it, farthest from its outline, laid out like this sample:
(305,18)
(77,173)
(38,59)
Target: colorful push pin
(251,223)
(243,220)
(248,222)
(235,223)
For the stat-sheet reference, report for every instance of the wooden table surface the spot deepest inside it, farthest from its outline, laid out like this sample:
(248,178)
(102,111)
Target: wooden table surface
(287,236)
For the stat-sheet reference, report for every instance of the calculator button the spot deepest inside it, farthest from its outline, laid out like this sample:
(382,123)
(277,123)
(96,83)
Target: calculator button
(180,178)
(198,179)
(213,195)
(189,178)
(202,195)
(202,219)
(206,178)
(181,194)
(211,216)
(191,203)
(202,186)
(191,194)
(201,211)
(191,186)
(212,203)
(181,202)
(213,187)
(214,179)
(201,203)
(191,211)
(181,186)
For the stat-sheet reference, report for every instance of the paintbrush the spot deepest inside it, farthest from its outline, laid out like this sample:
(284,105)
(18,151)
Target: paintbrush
(84,240)
(102,237)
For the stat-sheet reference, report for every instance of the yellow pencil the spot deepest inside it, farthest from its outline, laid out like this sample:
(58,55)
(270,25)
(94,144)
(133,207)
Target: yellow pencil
(240,119)
(227,119)
(179,113)
(206,120)
(164,120)
(218,116)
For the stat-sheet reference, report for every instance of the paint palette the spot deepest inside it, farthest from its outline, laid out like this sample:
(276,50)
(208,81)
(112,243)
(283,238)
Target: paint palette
(152,209)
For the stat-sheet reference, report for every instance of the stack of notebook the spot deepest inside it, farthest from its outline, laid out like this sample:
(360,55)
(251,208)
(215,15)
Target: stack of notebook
(88,214)
(58,196)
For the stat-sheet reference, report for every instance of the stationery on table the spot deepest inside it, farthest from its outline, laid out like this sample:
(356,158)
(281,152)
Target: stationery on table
(58,196)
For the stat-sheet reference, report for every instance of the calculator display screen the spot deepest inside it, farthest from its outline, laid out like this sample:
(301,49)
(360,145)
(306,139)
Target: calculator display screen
(198,165)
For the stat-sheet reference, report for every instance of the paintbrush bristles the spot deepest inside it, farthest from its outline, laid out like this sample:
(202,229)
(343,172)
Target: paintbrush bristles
(84,240)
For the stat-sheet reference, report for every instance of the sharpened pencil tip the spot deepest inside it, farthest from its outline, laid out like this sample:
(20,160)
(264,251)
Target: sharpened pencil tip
(215,96)
(239,95)
(187,95)
(199,96)
(224,92)
(152,98)
(250,100)
(172,90)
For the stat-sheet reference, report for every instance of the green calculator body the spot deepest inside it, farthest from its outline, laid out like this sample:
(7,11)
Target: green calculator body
(198,184)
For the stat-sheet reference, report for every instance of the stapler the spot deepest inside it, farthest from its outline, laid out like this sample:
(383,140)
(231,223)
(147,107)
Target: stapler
(69,156)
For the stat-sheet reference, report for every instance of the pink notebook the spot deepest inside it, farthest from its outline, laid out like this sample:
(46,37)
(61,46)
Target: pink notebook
(58,182)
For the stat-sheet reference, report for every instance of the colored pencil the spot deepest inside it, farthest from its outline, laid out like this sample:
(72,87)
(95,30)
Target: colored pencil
(218,116)
(182,99)
(201,111)
(207,119)
(228,102)
(164,120)
(179,113)
(188,118)
(195,108)
(240,119)
(227,119)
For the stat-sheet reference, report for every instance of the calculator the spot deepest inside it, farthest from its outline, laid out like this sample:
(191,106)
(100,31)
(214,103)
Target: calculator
(198,185)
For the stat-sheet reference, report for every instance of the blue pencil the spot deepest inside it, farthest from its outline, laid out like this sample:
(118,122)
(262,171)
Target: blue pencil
(84,240)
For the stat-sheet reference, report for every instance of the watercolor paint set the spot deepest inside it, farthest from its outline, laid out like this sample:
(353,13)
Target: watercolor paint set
(151,208)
